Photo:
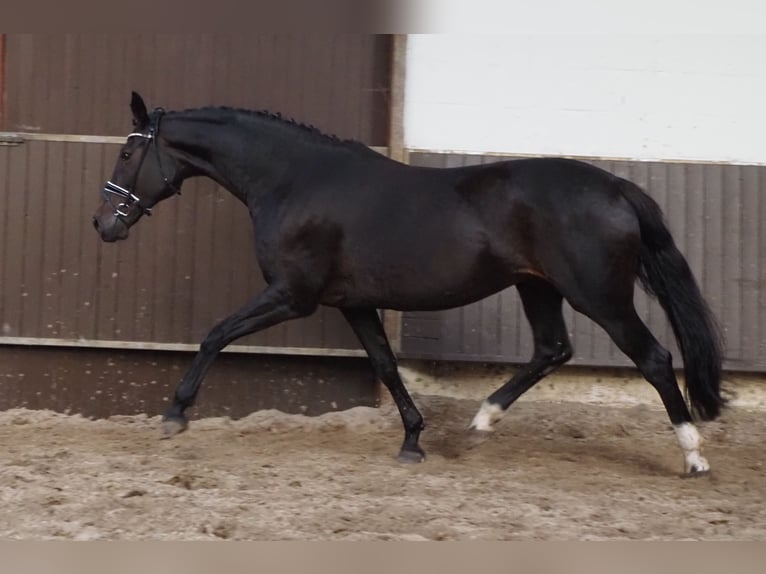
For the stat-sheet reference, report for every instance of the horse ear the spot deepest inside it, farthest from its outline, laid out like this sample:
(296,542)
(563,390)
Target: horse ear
(138,107)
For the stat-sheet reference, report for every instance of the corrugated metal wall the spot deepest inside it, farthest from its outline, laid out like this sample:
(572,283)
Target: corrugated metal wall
(717,214)
(2,78)
(81,83)
(193,263)
(187,267)
(105,382)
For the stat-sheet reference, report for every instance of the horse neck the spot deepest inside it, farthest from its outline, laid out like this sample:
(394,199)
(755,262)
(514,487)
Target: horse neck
(249,158)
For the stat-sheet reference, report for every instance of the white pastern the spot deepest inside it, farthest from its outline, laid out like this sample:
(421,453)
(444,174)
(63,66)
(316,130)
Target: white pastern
(488,414)
(690,442)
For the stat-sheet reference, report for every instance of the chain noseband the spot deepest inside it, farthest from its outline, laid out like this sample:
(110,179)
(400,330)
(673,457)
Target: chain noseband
(130,199)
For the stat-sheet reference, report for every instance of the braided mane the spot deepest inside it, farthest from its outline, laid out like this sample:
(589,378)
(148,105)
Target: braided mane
(277,118)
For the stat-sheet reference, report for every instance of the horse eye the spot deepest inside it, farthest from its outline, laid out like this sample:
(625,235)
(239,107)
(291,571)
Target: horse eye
(125,155)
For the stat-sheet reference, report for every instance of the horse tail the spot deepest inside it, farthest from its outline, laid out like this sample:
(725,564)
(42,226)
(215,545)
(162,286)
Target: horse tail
(665,274)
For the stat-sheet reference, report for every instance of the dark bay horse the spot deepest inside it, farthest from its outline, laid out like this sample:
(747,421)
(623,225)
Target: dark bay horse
(341,225)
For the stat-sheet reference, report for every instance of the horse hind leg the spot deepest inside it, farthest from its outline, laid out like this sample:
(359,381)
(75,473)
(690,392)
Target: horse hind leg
(542,306)
(617,315)
(656,365)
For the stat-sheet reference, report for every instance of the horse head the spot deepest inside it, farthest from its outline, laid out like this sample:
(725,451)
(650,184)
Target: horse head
(145,173)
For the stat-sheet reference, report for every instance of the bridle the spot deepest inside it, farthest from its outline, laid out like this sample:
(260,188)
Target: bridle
(130,199)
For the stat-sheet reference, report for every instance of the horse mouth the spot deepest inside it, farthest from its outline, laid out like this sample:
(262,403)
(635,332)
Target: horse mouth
(117,231)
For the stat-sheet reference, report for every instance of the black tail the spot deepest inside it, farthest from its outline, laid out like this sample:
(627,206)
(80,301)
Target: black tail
(665,274)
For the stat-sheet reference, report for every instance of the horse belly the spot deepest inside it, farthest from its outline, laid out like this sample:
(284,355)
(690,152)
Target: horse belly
(422,281)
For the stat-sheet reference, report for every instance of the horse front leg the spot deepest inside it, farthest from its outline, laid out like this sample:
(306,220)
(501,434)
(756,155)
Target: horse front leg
(368,328)
(271,307)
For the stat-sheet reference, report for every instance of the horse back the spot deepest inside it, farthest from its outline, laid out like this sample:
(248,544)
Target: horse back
(389,235)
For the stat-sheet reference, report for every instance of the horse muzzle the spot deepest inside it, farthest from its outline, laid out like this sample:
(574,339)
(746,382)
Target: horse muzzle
(110,228)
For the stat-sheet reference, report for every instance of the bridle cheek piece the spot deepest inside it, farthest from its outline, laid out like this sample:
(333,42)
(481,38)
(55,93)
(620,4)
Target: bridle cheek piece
(130,199)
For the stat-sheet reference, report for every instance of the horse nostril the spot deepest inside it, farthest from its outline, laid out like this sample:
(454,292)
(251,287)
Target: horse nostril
(95,223)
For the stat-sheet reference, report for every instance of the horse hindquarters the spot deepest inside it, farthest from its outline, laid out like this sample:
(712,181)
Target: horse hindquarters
(591,245)
(598,280)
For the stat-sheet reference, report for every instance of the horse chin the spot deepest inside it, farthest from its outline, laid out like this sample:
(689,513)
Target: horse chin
(118,231)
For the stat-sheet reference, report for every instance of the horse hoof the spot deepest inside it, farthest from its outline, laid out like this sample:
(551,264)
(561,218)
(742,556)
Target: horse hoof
(411,456)
(172,427)
(696,473)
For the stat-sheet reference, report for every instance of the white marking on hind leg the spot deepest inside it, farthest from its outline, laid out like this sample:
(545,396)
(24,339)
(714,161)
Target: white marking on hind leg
(690,442)
(488,414)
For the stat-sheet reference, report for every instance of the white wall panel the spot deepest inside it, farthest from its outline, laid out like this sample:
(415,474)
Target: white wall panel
(667,97)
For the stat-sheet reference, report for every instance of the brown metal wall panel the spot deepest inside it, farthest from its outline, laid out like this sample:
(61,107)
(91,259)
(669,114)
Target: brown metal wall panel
(2,81)
(5,173)
(107,382)
(51,223)
(14,223)
(181,271)
(753,323)
(186,269)
(760,311)
(65,268)
(33,240)
(718,218)
(81,83)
